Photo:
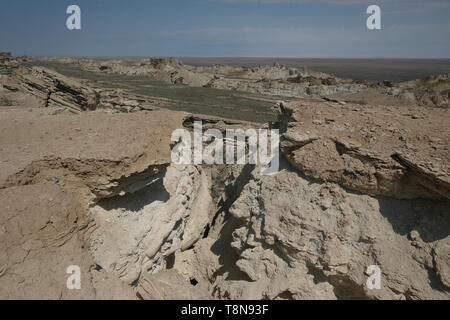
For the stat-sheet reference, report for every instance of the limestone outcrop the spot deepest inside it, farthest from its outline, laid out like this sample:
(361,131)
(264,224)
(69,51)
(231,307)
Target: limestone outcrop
(275,80)
(376,150)
(285,237)
(42,87)
(87,180)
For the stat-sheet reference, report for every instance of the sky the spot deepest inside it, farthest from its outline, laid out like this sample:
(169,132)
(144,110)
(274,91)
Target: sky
(227,28)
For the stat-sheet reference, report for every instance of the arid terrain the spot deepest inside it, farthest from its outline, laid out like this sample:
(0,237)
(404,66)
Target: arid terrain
(398,70)
(87,179)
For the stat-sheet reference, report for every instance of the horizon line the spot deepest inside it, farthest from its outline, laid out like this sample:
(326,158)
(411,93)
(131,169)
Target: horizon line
(231,57)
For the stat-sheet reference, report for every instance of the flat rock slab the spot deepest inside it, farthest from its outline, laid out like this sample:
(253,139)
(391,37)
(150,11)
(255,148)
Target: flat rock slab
(359,146)
(142,139)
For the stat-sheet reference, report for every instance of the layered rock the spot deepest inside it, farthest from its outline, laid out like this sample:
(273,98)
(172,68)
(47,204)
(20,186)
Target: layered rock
(139,232)
(54,90)
(73,182)
(98,190)
(275,80)
(168,70)
(287,238)
(375,150)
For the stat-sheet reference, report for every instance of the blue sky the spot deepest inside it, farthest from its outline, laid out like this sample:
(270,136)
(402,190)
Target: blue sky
(255,28)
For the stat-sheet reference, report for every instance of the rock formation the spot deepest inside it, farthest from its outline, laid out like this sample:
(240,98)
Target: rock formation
(377,150)
(87,180)
(287,238)
(52,89)
(276,80)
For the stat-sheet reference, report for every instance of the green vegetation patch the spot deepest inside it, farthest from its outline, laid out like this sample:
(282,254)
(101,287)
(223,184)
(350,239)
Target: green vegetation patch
(209,101)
